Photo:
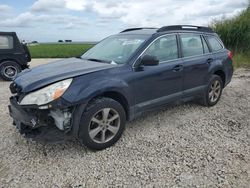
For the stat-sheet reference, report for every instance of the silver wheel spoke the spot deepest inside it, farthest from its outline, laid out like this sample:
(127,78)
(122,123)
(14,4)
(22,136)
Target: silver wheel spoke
(113,129)
(216,94)
(103,136)
(95,120)
(217,88)
(216,83)
(212,99)
(210,94)
(105,113)
(114,117)
(94,132)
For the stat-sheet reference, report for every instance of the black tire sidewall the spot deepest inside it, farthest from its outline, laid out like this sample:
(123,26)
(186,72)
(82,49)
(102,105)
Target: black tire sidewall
(213,78)
(92,108)
(8,63)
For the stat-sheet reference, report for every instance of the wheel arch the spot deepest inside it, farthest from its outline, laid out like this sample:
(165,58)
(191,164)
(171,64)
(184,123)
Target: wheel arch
(221,74)
(10,59)
(115,95)
(80,108)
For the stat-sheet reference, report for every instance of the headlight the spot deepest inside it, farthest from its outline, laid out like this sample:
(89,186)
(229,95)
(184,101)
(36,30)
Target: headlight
(47,94)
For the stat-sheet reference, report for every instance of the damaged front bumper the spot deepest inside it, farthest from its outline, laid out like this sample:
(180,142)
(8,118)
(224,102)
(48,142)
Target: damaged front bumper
(43,125)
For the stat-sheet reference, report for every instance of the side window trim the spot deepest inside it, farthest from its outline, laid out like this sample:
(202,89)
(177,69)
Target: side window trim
(178,39)
(203,39)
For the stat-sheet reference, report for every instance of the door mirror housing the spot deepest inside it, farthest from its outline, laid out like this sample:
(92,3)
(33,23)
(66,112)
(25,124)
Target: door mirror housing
(149,60)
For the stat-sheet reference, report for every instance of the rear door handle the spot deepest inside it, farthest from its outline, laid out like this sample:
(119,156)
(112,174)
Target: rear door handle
(177,68)
(210,60)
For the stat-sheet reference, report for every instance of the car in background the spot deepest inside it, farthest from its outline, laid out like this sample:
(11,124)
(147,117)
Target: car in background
(91,97)
(14,56)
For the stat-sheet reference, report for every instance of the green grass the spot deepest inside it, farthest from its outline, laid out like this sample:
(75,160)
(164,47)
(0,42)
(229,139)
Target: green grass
(58,50)
(235,33)
(241,60)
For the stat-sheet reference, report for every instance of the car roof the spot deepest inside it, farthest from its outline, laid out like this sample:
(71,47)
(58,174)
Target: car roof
(7,33)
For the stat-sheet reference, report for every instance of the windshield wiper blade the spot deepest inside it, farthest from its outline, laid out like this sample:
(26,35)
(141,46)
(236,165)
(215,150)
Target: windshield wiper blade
(98,60)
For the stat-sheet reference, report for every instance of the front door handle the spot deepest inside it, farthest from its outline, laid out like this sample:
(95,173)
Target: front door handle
(210,60)
(177,68)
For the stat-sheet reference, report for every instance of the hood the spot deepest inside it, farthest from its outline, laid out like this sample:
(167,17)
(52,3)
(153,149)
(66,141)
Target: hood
(43,75)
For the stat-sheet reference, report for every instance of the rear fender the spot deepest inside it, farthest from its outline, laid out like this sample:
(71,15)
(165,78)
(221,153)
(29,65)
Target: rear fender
(215,66)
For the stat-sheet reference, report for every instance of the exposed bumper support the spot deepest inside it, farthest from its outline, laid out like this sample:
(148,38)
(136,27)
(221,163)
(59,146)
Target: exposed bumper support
(36,124)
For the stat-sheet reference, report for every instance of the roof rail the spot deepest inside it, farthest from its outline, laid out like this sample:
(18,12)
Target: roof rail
(137,28)
(186,27)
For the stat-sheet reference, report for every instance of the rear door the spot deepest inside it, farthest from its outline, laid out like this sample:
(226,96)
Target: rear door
(196,61)
(220,55)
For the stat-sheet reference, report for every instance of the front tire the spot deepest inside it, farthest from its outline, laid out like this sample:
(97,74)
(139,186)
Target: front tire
(9,70)
(213,91)
(102,123)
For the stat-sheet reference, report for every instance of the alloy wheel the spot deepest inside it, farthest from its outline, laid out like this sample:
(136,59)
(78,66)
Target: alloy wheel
(104,125)
(214,91)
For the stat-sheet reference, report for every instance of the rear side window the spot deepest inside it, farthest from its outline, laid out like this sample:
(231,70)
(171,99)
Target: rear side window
(214,43)
(164,48)
(6,42)
(191,45)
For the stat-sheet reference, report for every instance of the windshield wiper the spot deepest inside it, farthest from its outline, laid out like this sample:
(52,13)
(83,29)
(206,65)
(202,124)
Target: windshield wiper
(98,60)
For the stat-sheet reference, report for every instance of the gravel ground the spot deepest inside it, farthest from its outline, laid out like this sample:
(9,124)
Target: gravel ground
(181,146)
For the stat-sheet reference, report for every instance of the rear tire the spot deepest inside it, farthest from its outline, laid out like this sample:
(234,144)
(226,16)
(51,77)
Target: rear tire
(213,91)
(9,70)
(102,123)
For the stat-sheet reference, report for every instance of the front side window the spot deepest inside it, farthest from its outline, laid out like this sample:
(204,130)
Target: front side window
(191,45)
(6,42)
(164,48)
(117,49)
(214,43)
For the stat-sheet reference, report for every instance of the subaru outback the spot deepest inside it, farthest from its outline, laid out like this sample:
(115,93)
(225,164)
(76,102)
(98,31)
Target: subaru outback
(91,97)
(14,56)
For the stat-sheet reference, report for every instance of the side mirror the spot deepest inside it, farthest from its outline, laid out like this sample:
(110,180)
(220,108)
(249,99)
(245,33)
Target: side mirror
(149,60)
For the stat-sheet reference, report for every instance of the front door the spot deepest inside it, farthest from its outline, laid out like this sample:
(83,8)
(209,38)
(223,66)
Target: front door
(156,85)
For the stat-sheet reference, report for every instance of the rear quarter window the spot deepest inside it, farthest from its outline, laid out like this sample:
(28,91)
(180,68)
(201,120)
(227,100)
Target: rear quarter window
(6,42)
(214,43)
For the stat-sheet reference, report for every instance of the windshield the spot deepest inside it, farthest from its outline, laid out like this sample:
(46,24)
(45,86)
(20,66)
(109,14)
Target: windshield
(115,49)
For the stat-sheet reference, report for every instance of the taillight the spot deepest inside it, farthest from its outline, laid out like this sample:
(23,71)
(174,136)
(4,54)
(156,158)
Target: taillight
(230,54)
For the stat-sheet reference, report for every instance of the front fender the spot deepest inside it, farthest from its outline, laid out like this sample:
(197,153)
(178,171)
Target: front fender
(83,93)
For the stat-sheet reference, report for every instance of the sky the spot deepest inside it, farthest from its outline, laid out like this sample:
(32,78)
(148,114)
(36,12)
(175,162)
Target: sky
(87,20)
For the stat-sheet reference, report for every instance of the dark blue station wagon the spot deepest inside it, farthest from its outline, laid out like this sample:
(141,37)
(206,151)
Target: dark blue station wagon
(91,97)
